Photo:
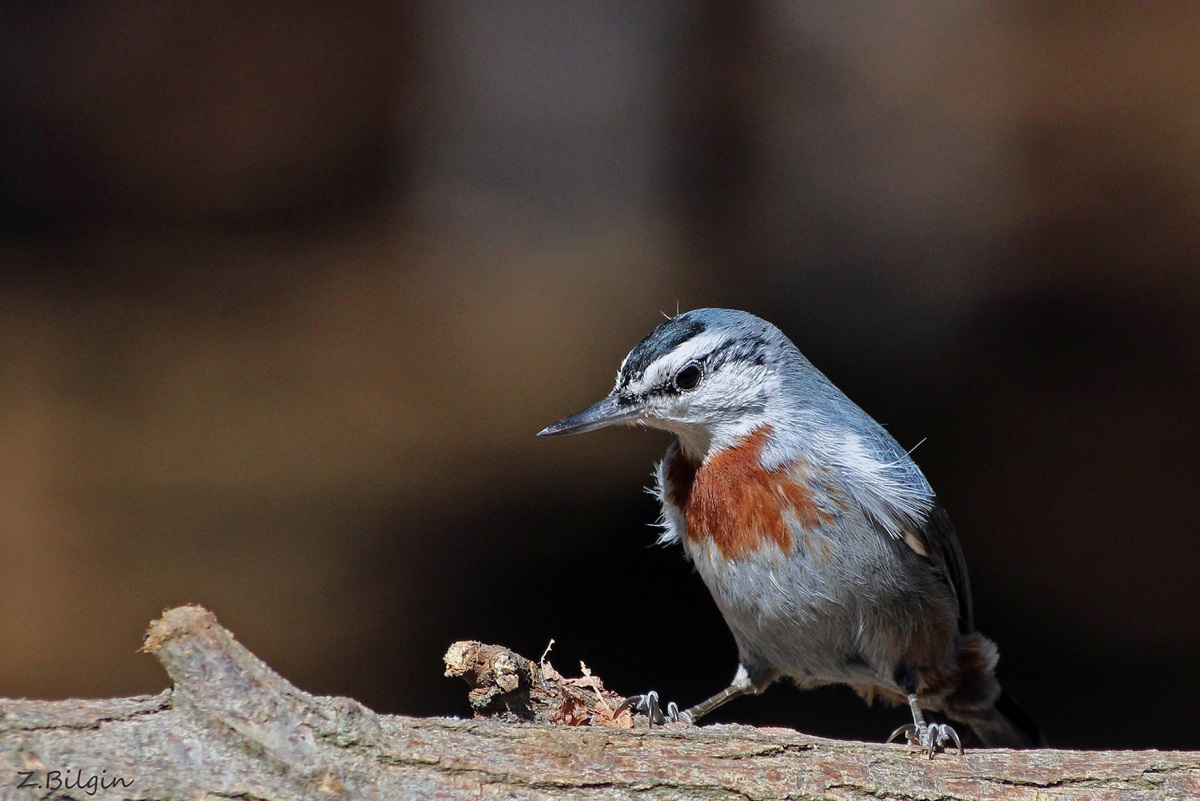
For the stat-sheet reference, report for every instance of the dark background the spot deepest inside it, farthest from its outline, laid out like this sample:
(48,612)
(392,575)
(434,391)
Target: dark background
(287,288)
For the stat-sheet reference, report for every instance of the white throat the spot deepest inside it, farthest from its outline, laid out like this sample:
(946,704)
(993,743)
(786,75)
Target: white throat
(698,441)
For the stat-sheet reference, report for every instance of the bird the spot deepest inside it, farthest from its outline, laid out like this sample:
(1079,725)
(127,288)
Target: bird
(822,543)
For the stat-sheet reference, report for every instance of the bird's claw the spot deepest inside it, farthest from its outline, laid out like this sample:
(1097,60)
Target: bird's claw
(930,738)
(649,706)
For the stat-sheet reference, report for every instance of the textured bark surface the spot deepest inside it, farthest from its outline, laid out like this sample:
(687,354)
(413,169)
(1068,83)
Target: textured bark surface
(232,728)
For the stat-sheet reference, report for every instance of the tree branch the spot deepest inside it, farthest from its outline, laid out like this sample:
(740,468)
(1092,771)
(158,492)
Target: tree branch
(233,728)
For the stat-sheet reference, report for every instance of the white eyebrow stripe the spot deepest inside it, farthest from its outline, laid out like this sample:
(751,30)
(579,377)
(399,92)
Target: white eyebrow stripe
(696,347)
(699,345)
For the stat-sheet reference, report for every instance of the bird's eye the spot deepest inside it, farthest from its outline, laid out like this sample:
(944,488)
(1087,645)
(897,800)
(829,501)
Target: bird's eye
(688,377)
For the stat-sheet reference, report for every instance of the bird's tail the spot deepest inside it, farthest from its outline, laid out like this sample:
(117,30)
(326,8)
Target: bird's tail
(1006,725)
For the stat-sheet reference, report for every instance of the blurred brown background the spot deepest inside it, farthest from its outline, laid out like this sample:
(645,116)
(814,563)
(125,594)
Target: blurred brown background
(287,288)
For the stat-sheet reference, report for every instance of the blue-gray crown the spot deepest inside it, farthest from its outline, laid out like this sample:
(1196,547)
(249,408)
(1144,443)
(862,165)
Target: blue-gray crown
(746,338)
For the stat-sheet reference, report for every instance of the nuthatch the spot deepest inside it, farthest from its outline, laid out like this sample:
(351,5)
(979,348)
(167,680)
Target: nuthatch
(821,541)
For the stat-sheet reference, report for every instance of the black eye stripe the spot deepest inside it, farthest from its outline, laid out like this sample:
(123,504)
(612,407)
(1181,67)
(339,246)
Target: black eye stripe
(670,336)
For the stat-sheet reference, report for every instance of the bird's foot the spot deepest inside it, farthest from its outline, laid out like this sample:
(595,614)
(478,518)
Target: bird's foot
(649,706)
(930,738)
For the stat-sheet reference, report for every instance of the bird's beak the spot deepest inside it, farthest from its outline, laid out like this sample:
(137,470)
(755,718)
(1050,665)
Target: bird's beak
(605,413)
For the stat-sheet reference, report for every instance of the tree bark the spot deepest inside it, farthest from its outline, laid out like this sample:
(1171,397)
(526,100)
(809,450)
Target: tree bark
(232,728)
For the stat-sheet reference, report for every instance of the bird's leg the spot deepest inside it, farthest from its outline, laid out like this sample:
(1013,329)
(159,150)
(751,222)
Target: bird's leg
(648,704)
(929,737)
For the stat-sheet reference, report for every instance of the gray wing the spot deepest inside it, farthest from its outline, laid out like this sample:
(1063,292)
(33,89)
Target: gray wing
(941,548)
(930,534)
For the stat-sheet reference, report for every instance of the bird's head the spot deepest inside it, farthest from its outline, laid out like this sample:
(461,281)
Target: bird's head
(710,376)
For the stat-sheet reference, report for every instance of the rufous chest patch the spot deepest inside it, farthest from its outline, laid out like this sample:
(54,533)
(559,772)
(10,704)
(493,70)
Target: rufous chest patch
(733,501)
